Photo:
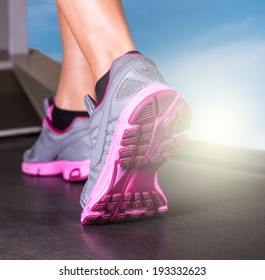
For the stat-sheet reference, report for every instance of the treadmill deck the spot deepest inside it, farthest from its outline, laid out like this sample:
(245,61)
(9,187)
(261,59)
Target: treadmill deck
(215,212)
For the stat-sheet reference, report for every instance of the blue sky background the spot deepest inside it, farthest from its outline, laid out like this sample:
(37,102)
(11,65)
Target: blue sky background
(211,51)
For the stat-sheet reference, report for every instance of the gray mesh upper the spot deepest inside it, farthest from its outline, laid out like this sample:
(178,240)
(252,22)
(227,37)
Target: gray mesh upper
(73,144)
(128,75)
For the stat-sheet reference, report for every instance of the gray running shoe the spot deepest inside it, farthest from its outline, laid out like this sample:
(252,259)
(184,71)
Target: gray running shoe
(137,127)
(57,152)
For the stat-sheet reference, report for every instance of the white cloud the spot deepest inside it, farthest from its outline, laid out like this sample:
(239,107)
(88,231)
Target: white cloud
(235,26)
(232,65)
(226,31)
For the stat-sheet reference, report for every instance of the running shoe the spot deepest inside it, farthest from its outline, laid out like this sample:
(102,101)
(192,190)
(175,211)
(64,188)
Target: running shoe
(57,152)
(138,126)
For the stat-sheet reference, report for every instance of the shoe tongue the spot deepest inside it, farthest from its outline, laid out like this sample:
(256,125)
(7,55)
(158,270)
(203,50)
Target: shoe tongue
(48,105)
(90,104)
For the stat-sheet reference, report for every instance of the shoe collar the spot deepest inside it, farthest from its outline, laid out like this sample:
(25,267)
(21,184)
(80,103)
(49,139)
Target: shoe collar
(48,106)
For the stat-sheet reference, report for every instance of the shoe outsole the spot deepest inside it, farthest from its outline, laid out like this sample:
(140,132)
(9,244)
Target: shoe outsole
(71,171)
(149,134)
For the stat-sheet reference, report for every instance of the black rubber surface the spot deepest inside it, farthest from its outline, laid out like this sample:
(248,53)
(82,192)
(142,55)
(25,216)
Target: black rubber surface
(214,213)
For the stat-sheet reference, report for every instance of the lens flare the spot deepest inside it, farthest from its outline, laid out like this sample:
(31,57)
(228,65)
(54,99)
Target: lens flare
(218,124)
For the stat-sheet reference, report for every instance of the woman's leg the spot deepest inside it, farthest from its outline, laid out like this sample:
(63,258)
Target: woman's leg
(100,29)
(76,77)
(63,146)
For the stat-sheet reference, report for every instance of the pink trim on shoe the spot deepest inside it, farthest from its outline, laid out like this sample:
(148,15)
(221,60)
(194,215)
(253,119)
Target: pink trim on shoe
(70,170)
(49,111)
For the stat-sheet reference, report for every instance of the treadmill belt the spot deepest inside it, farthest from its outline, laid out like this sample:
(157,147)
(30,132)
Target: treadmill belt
(16,113)
(214,213)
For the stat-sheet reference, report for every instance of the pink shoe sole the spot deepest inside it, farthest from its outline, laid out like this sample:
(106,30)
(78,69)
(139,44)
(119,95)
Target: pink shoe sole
(70,170)
(148,133)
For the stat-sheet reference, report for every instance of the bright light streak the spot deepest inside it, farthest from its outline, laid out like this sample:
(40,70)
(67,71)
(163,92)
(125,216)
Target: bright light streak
(219,124)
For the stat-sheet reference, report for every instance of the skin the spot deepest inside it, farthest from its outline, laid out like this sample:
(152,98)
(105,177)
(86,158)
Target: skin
(94,33)
(75,78)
